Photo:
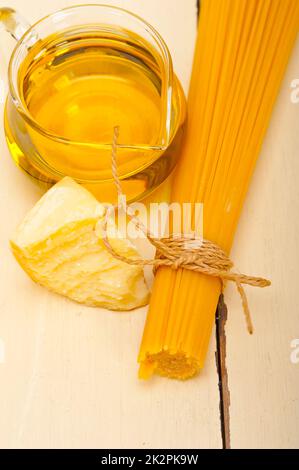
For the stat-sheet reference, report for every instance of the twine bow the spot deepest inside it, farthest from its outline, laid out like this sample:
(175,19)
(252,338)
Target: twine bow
(187,252)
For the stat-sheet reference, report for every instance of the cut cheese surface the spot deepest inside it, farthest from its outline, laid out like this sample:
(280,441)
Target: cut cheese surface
(65,203)
(59,245)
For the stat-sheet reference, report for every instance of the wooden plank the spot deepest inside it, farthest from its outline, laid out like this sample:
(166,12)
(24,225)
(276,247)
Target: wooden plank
(68,373)
(263,382)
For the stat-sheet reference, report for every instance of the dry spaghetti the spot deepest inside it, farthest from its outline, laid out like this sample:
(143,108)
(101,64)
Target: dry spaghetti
(204,257)
(242,50)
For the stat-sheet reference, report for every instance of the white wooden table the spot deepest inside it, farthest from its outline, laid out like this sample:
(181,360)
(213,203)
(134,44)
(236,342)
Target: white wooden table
(68,374)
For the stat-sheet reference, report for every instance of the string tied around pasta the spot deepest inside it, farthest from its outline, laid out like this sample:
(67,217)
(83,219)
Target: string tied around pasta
(187,252)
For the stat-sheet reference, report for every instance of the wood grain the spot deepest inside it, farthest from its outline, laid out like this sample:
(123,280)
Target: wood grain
(68,373)
(263,382)
(69,378)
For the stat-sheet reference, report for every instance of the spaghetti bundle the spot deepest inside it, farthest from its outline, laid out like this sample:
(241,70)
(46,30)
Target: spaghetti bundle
(241,54)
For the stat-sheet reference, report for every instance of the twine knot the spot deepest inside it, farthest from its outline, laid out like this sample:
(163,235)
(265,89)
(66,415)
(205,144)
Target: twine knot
(186,252)
(192,252)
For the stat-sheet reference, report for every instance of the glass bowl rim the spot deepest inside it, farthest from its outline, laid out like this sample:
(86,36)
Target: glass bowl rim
(14,92)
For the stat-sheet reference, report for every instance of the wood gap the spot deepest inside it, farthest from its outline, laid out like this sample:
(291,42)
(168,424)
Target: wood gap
(198,8)
(224,394)
(221,317)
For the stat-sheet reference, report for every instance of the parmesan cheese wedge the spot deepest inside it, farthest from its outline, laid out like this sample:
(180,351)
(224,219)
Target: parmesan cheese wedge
(59,245)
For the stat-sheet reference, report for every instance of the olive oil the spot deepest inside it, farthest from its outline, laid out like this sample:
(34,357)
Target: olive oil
(78,85)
